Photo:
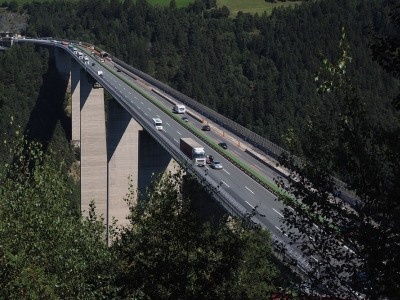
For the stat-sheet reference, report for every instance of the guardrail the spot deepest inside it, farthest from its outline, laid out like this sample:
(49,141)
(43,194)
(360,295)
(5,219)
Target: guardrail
(247,135)
(229,203)
(268,147)
(280,249)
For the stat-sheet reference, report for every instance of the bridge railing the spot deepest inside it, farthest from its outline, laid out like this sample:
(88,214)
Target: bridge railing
(246,134)
(281,250)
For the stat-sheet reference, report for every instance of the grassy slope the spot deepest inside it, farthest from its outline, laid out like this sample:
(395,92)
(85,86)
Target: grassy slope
(247,6)
(252,6)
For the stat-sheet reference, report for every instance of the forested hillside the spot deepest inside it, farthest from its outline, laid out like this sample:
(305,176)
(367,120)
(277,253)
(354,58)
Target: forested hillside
(33,94)
(259,70)
(256,69)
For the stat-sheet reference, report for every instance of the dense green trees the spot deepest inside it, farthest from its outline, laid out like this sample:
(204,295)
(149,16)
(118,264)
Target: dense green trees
(168,252)
(342,139)
(47,251)
(33,93)
(255,69)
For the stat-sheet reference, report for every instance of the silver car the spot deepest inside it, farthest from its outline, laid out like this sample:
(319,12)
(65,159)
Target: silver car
(216,165)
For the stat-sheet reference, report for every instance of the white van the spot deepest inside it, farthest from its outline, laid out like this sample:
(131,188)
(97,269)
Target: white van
(179,109)
(158,123)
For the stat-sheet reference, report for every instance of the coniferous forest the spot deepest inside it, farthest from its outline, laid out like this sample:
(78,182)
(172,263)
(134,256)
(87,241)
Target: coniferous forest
(255,69)
(320,79)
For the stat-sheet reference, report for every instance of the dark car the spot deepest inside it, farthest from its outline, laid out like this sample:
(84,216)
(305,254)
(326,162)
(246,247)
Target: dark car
(206,128)
(185,119)
(223,145)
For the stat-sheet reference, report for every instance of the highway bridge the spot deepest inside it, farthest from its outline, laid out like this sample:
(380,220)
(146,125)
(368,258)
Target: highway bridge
(124,141)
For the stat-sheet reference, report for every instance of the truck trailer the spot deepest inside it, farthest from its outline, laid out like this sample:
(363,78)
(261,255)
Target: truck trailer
(193,150)
(179,109)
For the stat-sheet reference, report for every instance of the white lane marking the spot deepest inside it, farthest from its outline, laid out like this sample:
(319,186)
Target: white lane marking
(167,124)
(225,183)
(179,133)
(277,212)
(157,116)
(146,114)
(281,231)
(141,102)
(176,141)
(226,172)
(348,249)
(249,190)
(130,93)
(149,108)
(134,97)
(250,205)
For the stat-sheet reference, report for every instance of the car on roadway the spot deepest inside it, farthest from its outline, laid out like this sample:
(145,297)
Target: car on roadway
(206,128)
(216,165)
(223,145)
(185,119)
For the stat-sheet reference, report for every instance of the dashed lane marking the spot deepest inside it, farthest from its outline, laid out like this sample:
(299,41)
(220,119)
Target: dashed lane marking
(277,212)
(250,205)
(249,190)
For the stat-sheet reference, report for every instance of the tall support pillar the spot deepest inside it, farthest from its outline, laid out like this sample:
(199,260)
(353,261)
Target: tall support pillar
(123,159)
(76,102)
(93,147)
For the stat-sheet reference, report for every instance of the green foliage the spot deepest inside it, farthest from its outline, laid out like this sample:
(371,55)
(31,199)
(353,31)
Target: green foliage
(32,92)
(343,140)
(385,48)
(46,250)
(168,252)
(256,69)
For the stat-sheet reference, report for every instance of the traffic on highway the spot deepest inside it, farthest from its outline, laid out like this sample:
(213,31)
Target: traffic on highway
(169,122)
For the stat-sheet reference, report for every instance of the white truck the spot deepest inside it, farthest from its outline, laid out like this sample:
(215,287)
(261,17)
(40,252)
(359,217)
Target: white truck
(158,123)
(193,150)
(100,73)
(179,109)
(86,59)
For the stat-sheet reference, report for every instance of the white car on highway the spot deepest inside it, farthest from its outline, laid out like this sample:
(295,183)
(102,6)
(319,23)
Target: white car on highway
(216,165)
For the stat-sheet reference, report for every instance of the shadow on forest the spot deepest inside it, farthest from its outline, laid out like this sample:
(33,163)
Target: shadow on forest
(49,109)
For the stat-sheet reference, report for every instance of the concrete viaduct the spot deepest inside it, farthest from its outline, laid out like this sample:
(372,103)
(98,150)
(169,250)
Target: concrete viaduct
(115,150)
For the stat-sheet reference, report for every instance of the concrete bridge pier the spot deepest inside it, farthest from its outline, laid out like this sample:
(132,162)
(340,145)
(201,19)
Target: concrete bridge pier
(76,103)
(115,150)
(123,159)
(93,147)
